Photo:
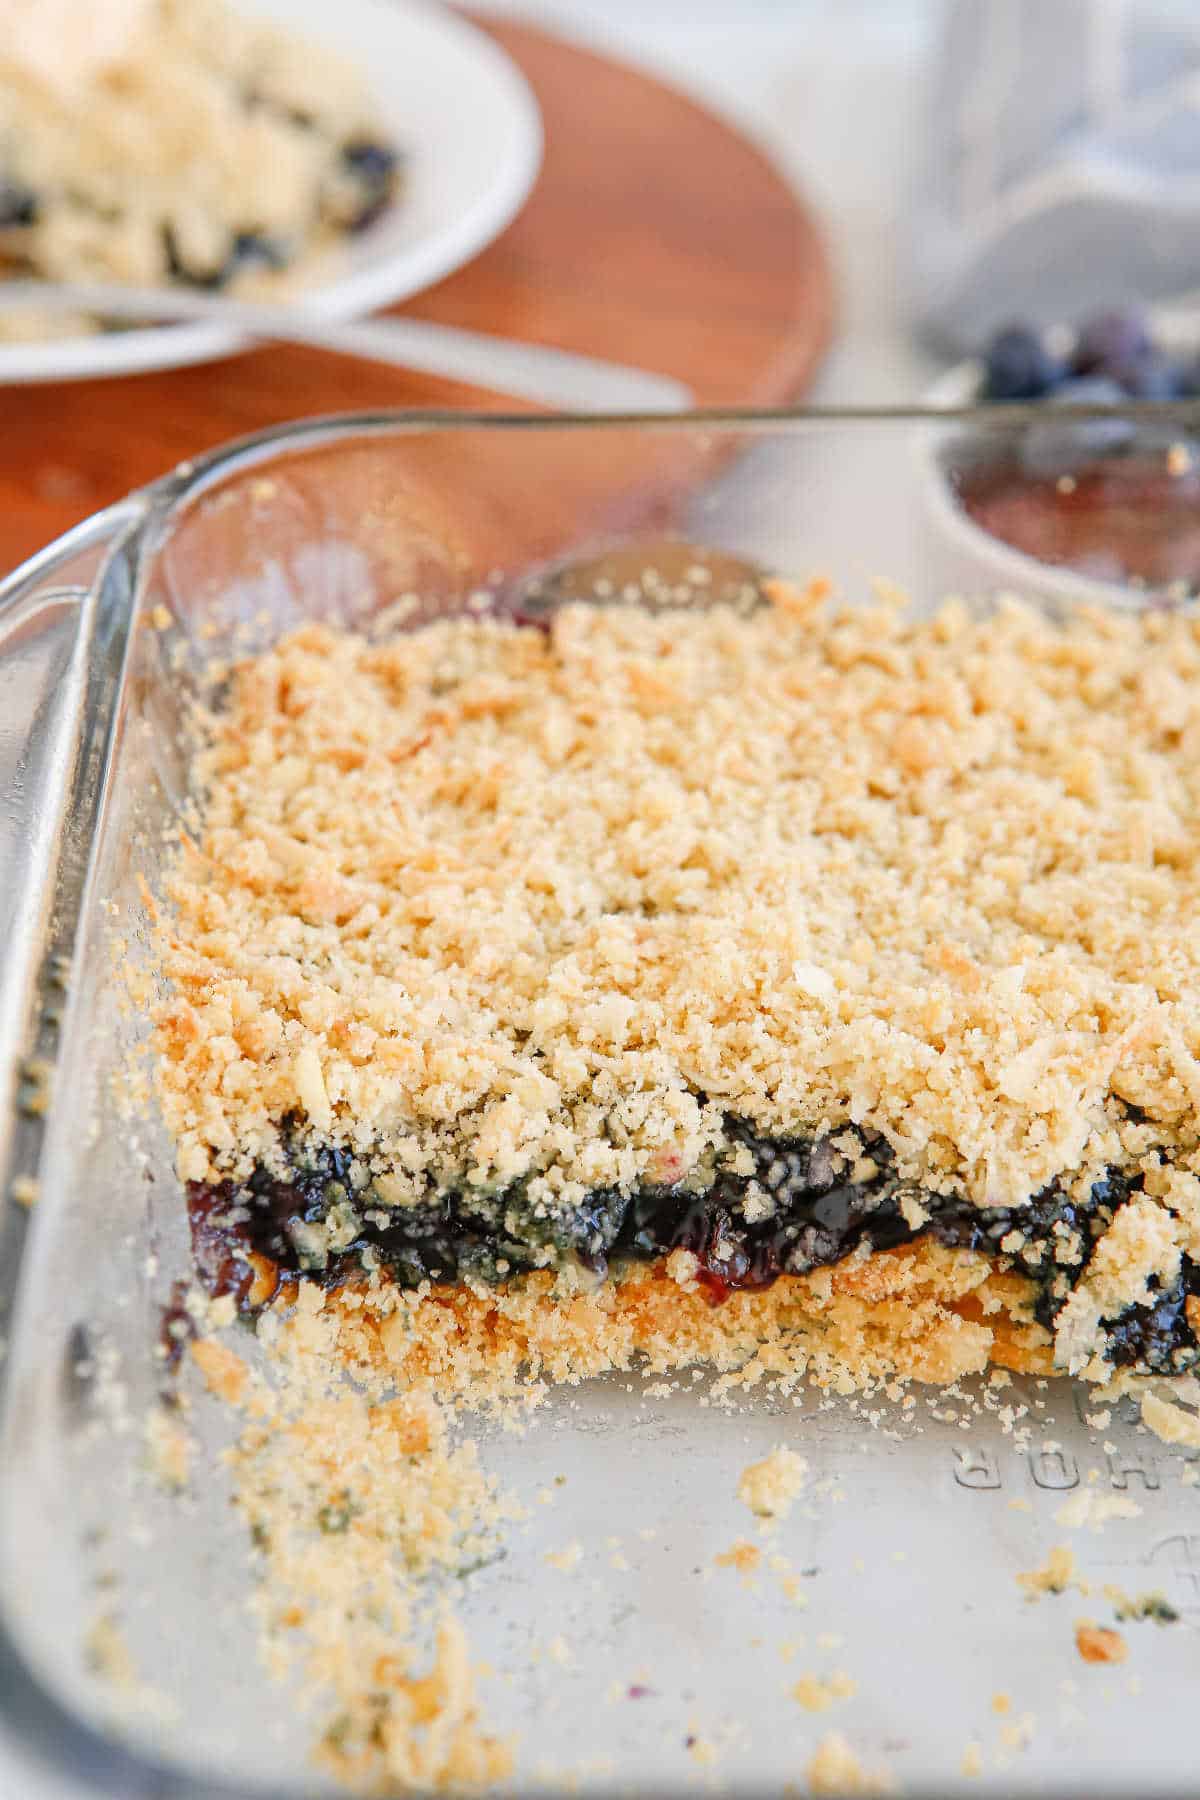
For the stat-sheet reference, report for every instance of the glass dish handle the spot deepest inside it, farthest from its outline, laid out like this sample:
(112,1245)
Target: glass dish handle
(63,629)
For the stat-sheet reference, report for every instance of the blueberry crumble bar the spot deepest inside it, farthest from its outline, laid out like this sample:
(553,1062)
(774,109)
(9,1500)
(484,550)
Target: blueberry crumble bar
(703,977)
(204,146)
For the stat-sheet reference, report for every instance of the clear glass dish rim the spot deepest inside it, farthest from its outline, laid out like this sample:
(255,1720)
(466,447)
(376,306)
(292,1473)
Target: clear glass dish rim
(139,518)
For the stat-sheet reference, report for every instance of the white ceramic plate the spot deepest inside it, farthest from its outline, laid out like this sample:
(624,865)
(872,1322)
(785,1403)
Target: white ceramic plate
(471,133)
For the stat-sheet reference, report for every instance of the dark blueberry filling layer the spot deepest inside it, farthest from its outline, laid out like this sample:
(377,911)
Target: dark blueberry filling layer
(795,1211)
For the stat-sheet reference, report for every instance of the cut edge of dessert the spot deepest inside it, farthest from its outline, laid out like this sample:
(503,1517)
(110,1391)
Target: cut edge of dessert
(830,1202)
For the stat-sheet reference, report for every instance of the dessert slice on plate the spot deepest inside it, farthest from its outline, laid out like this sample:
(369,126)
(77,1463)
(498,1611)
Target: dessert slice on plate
(192,145)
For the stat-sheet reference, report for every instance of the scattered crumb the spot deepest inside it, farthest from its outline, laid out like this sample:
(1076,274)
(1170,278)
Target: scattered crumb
(168,1449)
(1099,1643)
(356,1503)
(565,1559)
(1001,1703)
(1153,1605)
(1020,1504)
(972,1760)
(769,1487)
(741,1555)
(24,1190)
(1054,1576)
(1018,1735)
(835,1769)
(421,1731)
(1169,1422)
(817,1695)
(1087,1506)
(108,1654)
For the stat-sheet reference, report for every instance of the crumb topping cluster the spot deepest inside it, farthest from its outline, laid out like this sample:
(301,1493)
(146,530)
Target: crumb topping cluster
(489,904)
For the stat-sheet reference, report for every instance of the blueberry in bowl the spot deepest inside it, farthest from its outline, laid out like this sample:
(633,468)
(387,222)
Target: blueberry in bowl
(1058,498)
(1020,365)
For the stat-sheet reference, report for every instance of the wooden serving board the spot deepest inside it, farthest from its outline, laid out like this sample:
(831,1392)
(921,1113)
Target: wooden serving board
(656,235)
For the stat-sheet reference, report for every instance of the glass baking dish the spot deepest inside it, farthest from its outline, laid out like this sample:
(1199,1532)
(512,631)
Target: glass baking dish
(675,1672)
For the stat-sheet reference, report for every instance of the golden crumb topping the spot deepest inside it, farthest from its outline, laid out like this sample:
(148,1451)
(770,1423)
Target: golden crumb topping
(487,904)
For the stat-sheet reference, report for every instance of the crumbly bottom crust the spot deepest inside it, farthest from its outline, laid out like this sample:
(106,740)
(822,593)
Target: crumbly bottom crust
(921,1312)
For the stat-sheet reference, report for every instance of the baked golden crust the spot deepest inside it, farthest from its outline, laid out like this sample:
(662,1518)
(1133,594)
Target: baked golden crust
(921,1312)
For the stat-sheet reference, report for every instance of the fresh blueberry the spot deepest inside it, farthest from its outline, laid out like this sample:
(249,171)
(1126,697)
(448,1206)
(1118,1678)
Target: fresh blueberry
(255,247)
(374,162)
(1110,341)
(1155,376)
(374,168)
(1018,366)
(1056,447)
(18,204)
